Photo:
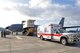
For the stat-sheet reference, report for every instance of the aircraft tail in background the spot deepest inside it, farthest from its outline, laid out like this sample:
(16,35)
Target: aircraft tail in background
(62,22)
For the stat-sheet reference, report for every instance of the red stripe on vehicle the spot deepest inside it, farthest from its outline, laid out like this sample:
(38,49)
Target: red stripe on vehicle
(49,34)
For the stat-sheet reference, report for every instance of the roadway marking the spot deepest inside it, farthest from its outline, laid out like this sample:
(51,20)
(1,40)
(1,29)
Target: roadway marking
(18,37)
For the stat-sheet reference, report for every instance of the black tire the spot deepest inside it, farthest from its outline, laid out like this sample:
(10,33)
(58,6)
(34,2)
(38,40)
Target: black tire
(64,41)
(41,37)
(45,39)
(26,34)
(30,34)
(23,33)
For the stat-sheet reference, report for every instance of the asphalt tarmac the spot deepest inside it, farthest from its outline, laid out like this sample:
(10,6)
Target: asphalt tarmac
(32,44)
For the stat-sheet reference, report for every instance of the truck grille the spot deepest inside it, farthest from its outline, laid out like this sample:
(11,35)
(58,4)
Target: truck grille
(75,36)
(78,36)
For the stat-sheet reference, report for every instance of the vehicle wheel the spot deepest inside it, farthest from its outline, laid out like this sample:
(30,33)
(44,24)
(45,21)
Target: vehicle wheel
(45,39)
(26,33)
(23,33)
(64,41)
(41,37)
(31,34)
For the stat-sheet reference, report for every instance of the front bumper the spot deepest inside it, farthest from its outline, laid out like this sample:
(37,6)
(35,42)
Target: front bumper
(73,40)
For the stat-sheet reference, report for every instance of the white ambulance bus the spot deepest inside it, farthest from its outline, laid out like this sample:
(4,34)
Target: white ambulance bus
(55,33)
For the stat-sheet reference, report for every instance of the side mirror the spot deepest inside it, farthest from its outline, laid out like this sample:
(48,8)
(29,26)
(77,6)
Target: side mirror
(57,32)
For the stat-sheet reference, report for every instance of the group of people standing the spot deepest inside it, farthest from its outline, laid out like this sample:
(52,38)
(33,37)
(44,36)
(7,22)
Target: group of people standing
(3,34)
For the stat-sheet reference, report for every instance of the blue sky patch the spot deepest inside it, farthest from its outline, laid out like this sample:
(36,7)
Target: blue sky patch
(64,2)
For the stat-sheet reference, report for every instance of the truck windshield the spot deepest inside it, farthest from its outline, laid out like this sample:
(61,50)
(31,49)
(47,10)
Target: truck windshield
(62,31)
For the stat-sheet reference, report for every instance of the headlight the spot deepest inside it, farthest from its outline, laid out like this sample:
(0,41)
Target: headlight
(70,35)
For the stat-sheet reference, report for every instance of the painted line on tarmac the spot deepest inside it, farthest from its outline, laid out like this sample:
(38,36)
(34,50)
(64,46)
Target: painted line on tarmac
(18,37)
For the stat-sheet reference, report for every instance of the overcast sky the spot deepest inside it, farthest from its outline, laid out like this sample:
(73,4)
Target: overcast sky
(43,11)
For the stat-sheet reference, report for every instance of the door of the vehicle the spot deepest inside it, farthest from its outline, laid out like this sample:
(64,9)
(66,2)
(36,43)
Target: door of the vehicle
(56,35)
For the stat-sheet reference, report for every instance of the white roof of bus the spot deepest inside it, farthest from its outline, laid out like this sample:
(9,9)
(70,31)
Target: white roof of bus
(47,24)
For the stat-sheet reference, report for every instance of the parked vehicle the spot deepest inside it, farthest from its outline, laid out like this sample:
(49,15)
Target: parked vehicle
(54,32)
(29,28)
